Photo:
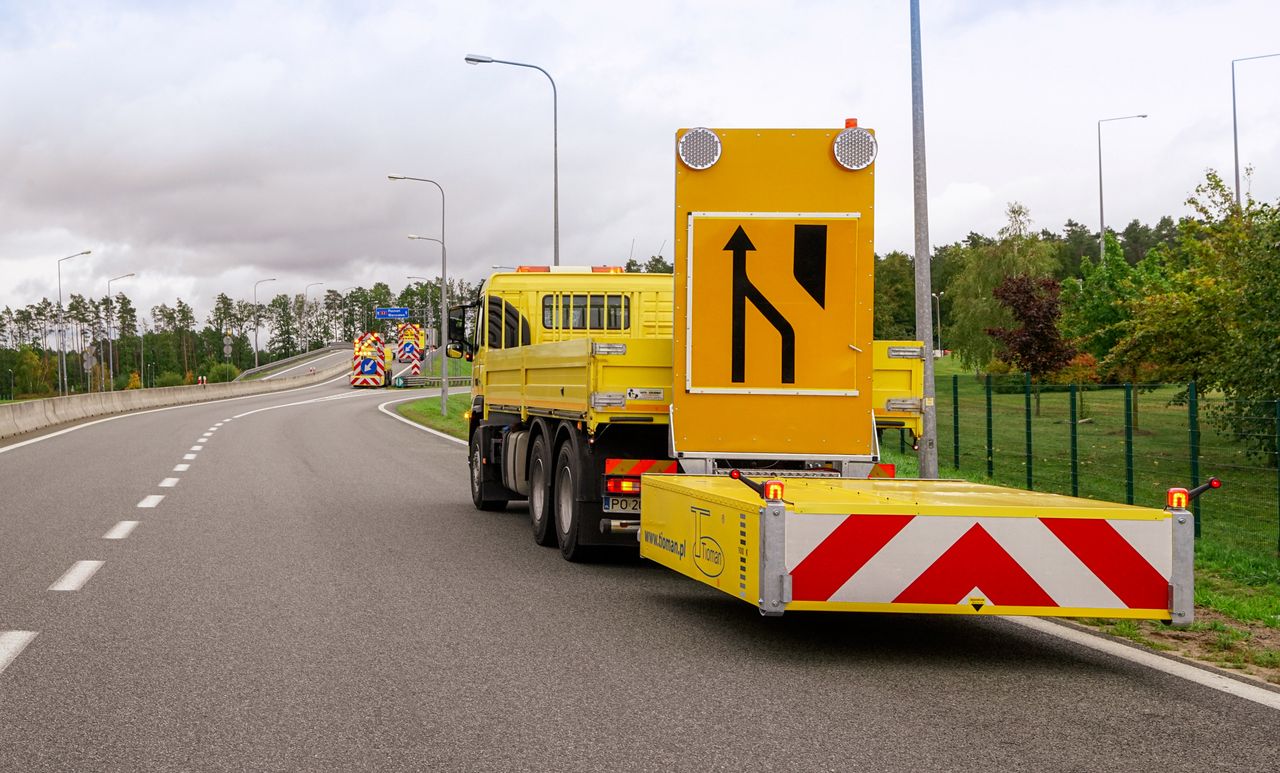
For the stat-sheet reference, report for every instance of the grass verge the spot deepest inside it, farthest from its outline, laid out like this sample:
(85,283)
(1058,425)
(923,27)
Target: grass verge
(427,413)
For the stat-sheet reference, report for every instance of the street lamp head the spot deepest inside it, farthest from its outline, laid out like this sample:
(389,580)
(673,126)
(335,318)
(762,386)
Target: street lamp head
(478,59)
(1143,115)
(86,252)
(395,177)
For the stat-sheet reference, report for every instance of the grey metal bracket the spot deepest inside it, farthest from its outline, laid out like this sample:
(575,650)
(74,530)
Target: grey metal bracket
(1182,590)
(775,581)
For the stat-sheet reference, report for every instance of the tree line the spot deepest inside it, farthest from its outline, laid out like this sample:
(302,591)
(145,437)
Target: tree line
(167,347)
(1193,299)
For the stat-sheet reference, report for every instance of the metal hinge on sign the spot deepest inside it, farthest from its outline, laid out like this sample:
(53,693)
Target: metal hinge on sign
(902,405)
(906,352)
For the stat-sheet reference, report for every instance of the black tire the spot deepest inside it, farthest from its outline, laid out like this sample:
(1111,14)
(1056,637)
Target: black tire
(568,510)
(477,478)
(541,510)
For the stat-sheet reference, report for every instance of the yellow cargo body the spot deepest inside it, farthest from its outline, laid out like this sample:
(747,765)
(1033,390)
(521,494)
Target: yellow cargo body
(898,385)
(941,547)
(774,285)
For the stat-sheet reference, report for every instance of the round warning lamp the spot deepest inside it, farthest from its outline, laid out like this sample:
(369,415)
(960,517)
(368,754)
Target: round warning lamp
(699,148)
(855,148)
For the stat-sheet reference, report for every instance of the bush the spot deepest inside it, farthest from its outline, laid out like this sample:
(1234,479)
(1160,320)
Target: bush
(134,381)
(223,371)
(169,379)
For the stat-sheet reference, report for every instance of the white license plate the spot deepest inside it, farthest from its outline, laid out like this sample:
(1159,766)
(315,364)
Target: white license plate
(622,504)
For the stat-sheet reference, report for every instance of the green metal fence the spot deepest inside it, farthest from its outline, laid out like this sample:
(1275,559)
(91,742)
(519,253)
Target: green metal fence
(1116,442)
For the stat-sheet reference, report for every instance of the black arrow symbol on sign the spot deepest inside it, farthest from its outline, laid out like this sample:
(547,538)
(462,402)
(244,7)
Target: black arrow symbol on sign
(743,290)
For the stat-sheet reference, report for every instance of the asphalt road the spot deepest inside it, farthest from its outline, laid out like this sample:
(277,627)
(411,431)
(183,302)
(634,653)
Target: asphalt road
(316,593)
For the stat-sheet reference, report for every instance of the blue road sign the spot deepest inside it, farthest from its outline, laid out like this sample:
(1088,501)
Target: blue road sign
(410,347)
(368,367)
(391,312)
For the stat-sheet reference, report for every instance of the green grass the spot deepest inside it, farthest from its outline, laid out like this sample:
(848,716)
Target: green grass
(427,413)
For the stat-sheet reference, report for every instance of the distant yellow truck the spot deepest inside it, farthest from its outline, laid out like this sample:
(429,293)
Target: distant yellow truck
(639,407)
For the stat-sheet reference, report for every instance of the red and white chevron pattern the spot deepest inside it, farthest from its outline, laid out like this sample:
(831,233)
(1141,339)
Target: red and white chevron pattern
(1089,563)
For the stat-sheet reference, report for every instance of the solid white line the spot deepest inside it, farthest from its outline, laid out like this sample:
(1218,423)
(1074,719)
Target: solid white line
(188,457)
(11,645)
(181,467)
(414,424)
(120,530)
(197,448)
(151,500)
(77,575)
(1169,666)
(307,364)
(78,427)
(312,401)
(168,483)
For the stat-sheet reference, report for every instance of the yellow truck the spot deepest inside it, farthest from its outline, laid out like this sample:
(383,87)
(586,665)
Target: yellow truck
(727,416)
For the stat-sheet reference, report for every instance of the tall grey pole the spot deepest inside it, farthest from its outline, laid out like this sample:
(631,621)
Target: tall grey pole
(305,290)
(111,369)
(555,144)
(1235,133)
(257,320)
(924,283)
(1102,221)
(443,333)
(62,327)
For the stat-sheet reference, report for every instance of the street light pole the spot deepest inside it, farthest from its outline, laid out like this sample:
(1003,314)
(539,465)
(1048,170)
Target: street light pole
(443,332)
(937,329)
(62,327)
(1102,221)
(257,320)
(1235,133)
(928,453)
(305,290)
(111,369)
(555,143)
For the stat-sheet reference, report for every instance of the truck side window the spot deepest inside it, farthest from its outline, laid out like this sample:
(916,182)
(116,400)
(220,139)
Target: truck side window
(583,312)
(506,326)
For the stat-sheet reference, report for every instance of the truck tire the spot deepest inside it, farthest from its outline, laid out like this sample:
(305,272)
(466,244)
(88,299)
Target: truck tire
(568,510)
(477,478)
(541,510)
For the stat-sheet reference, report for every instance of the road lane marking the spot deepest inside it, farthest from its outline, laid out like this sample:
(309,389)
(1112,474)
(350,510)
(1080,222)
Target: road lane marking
(204,438)
(181,467)
(197,448)
(78,427)
(312,401)
(121,530)
(151,500)
(414,424)
(1200,676)
(11,645)
(213,429)
(77,575)
(307,363)
(168,483)
(188,457)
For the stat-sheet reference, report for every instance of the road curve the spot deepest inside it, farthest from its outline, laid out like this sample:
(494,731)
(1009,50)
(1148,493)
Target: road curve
(315,592)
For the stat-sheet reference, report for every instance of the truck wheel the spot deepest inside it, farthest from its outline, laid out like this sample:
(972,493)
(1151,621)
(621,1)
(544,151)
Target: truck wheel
(477,479)
(568,510)
(541,511)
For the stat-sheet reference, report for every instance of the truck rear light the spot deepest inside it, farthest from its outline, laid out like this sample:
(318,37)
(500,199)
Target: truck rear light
(773,489)
(622,485)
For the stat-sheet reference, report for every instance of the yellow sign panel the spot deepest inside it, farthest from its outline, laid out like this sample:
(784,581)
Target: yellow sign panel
(774,274)
(769,309)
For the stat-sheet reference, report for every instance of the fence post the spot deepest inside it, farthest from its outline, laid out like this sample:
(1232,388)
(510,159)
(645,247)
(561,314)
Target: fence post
(1075,469)
(902,441)
(1026,393)
(1193,438)
(991,469)
(1128,443)
(955,420)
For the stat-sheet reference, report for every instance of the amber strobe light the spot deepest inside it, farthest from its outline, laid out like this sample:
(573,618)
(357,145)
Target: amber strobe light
(1178,499)
(773,489)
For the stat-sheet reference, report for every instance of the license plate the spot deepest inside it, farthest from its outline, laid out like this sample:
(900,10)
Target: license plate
(622,504)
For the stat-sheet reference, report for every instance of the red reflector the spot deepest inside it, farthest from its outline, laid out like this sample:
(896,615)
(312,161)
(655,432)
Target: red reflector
(773,489)
(622,485)
(1178,498)
(884,470)
(1215,483)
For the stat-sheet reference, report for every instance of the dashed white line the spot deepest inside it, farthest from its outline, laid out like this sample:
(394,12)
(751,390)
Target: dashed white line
(77,575)
(168,483)
(120,530)
(189,457)
(197,448)
(181,467)
(151,500)
(214,428)
(219,424)
(11,645)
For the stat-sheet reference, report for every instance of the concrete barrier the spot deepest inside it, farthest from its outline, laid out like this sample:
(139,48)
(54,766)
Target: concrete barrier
(31,415)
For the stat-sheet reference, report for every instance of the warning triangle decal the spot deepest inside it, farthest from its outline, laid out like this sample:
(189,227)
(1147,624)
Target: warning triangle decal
(976,560)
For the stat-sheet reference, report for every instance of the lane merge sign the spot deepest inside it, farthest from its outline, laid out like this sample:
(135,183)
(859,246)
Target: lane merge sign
(391,312)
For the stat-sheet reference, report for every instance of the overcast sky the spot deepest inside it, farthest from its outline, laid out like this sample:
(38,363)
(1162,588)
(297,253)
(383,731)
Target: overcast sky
(208,145)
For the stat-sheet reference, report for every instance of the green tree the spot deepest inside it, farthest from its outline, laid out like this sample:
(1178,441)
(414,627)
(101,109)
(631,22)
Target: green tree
(1034,346)
(894,308)
(1096,305)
